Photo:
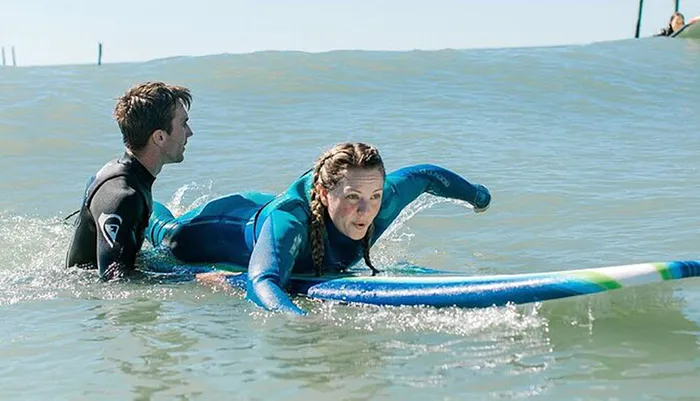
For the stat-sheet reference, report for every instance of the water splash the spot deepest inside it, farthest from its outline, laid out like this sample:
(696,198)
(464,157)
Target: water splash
(32,258)
(202,193)
(507,321)
(392,247)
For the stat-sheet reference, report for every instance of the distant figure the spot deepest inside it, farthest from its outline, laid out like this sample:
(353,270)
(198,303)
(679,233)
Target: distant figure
(676,22)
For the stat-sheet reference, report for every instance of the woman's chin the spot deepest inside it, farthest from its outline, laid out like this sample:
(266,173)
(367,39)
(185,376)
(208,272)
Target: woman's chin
(355,234)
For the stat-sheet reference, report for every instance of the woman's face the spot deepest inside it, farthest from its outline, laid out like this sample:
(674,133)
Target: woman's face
(677,23)
(354,203)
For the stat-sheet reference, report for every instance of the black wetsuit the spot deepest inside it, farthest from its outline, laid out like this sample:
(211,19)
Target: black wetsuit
(109,230)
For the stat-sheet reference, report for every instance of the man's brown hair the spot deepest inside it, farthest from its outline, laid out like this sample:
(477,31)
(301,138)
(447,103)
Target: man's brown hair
(148,107)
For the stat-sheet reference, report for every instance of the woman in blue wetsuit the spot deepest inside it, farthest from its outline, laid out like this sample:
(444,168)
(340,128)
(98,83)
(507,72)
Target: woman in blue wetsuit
(328,220)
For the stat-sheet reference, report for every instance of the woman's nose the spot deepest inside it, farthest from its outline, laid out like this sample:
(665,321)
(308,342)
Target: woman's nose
(362,206)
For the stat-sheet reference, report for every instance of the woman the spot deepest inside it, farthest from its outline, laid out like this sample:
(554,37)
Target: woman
(327,219)
(676,22)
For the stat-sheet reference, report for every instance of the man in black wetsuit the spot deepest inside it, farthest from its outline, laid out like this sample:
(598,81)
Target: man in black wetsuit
(109,229)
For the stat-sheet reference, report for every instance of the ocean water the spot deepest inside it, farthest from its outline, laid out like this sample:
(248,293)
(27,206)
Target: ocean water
(590,152)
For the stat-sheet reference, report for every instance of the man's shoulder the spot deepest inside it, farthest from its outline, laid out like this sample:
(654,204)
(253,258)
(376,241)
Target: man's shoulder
(110,167)
(120,175)
(119,192)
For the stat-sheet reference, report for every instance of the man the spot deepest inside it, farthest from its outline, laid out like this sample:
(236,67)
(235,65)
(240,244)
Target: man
(109,230)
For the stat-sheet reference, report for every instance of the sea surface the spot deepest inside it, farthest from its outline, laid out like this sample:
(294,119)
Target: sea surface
(590,153)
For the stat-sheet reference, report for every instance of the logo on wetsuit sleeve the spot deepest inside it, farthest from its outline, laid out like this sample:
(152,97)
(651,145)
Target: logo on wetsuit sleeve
(109,225)
(294,249)
(437,176)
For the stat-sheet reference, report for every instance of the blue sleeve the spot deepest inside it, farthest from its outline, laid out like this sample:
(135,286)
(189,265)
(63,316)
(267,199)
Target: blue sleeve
(403,186)
(272,260)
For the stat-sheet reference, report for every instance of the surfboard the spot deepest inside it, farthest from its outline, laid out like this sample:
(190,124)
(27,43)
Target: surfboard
(691,30)
(442,289)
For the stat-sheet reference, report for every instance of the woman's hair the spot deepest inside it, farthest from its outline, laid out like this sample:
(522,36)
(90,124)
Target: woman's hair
(329,169)
(669,29)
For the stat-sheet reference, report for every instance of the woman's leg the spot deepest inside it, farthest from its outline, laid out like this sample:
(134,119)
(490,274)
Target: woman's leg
(211,233)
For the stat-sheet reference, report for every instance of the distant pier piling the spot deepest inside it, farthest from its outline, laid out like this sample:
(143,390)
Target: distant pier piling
(99,53)
(14,60)
(639,18)
(3,56)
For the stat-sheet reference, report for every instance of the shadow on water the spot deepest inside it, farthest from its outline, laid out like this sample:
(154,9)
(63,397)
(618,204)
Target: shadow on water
(601,345)
(641,338)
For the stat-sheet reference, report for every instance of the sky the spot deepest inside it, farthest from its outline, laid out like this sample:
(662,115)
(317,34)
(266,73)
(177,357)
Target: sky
(54,32)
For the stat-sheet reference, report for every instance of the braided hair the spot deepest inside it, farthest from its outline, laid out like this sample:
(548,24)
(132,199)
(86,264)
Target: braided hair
(329,169)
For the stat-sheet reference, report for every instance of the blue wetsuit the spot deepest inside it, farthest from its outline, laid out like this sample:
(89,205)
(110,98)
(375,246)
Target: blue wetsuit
(271,234)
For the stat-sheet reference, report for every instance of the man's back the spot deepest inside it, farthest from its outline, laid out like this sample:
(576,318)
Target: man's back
(115,210)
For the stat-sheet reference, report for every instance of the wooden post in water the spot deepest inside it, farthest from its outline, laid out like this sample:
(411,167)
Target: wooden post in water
(639,18)
(3,56)
(99,53)
(14,61)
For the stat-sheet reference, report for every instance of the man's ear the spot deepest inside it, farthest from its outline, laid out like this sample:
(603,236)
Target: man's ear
(158,137)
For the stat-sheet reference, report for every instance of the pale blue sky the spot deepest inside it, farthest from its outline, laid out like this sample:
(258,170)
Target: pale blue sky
(67,32)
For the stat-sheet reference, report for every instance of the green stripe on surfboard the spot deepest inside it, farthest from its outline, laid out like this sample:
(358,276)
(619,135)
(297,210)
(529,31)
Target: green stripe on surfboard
(663,270)
(599,278)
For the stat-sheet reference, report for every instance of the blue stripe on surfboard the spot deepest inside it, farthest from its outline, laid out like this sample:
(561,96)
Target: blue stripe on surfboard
(468,294)
(684,269)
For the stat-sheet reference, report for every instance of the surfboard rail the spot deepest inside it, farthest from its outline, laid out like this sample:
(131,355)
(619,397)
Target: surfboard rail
(468,291)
